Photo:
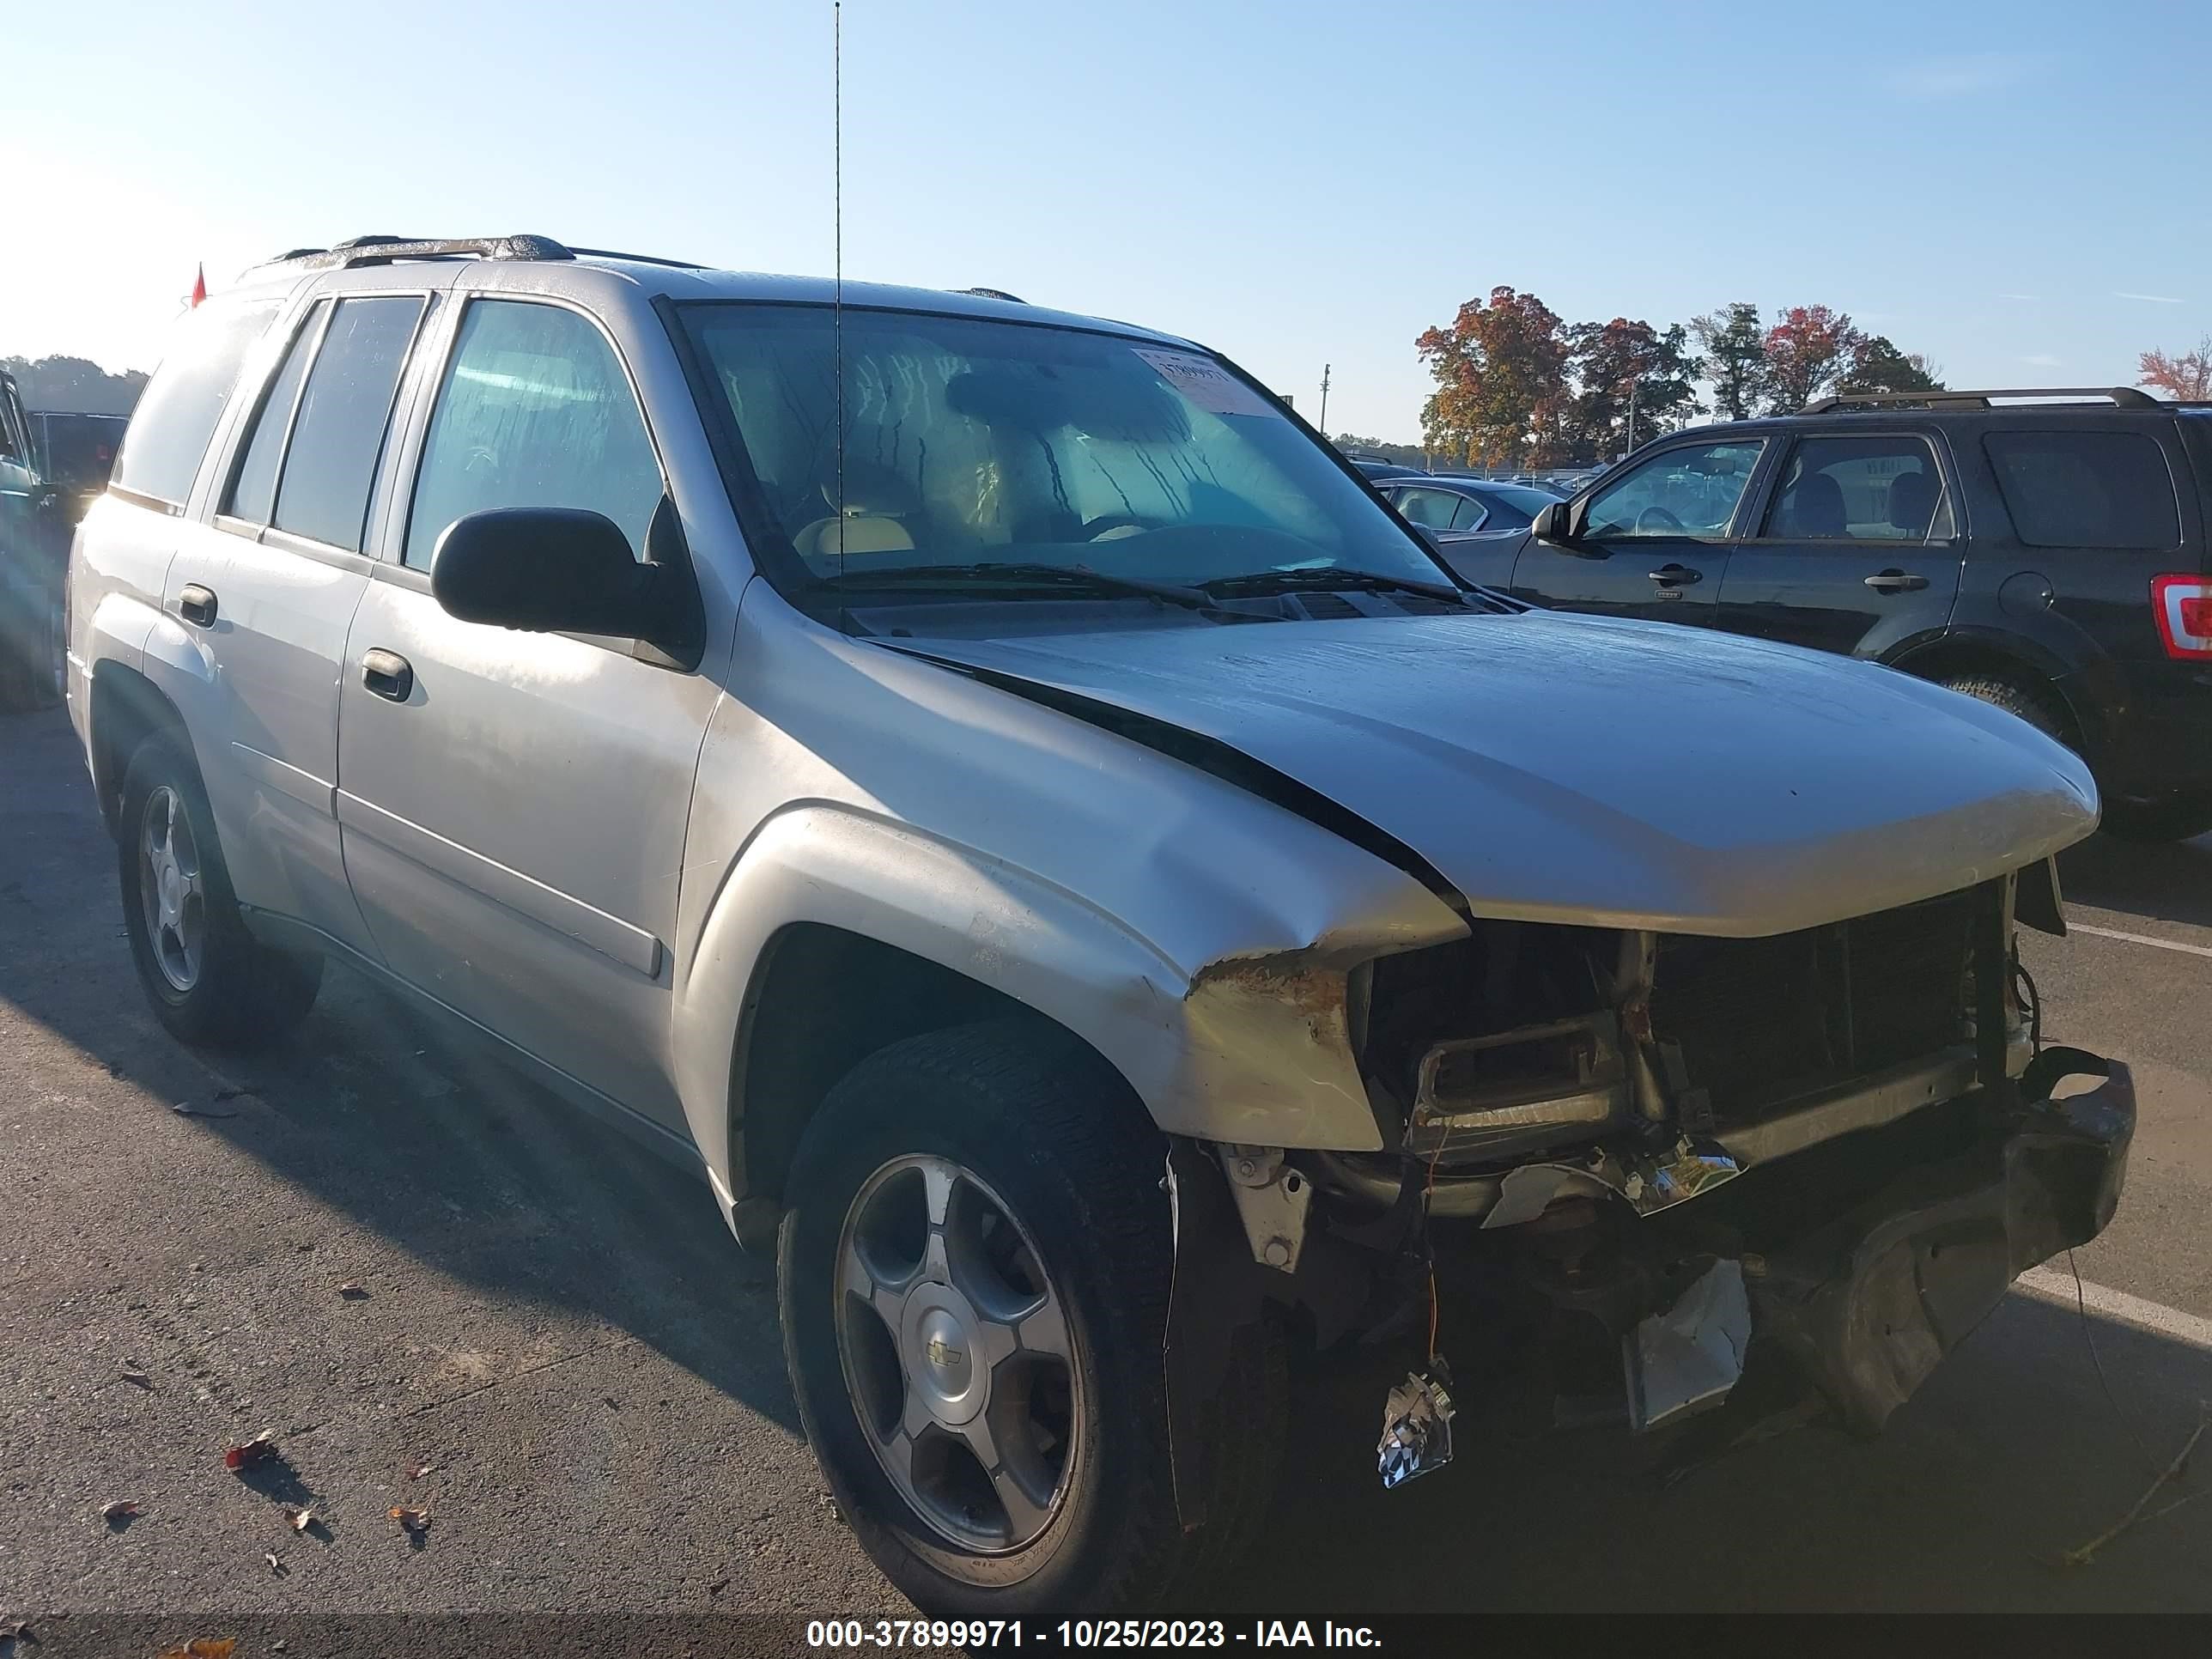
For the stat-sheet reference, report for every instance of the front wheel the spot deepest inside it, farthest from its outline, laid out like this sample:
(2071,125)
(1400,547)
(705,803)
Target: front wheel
(974,1273)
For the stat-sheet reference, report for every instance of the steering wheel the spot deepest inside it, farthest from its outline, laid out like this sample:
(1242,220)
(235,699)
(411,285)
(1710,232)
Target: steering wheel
(1657,518)
(1113,527)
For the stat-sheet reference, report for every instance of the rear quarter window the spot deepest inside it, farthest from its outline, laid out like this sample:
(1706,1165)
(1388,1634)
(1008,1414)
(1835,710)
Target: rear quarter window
(2086,488)
(184,403)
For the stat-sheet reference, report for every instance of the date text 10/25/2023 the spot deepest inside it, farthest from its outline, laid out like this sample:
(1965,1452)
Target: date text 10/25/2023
(1084,1633)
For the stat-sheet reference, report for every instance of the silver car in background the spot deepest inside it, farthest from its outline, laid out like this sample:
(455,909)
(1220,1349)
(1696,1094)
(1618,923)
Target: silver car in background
(994,794)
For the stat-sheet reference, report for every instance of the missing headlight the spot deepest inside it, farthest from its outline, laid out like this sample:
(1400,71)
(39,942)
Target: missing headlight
(1514,1092)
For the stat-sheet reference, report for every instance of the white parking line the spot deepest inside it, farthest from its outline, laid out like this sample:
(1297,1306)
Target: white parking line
(2056,1284)
(2139,938)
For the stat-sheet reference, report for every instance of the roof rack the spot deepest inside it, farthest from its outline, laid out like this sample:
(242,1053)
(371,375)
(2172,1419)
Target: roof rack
(2122,397)
(382,250)
(992,294)
(635,258)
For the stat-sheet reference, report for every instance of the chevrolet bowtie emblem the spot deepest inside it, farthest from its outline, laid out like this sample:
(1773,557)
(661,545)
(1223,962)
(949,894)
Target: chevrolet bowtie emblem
(942,1353)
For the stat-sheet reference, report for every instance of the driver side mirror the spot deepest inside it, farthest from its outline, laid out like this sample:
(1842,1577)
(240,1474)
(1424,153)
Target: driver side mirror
(1564,525)
(563,570)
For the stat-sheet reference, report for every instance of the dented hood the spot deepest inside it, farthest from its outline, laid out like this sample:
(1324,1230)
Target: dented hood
(1618,773)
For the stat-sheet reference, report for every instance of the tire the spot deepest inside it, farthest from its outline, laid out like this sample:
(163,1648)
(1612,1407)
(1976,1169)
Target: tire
(2037,708)
(1040,1150)
(212,982)
(2167,818)
(32,663)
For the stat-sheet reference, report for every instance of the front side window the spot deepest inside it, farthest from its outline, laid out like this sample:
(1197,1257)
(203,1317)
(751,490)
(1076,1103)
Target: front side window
(2086,488)
(535,411)
(1515,507)
(1691,491)
(973,443)
(182,404)
(254,488)
(337,436)
(1861,489)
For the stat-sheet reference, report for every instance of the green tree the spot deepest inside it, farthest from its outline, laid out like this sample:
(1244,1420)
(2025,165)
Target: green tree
(1735,344)
(74,383)
(1614,364)
(1808,348)
(1403,454)
(1878,366)
(1500,368)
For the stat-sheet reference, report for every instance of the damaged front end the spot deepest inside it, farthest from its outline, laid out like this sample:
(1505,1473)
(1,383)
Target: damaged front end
(1719,1184)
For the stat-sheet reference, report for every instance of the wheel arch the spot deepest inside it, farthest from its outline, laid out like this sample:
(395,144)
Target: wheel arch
(126,710)
(2008,657)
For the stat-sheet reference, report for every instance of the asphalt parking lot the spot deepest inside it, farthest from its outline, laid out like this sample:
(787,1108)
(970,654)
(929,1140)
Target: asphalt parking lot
(563,1332)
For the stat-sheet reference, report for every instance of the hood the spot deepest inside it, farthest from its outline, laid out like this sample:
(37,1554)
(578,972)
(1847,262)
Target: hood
(1578,769)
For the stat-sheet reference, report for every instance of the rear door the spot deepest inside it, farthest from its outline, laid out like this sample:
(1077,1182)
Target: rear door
(1653,542)
(1857,549)
(513,805)
(293,506)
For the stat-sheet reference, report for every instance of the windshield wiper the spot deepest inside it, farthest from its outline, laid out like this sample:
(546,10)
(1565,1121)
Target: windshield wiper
(1324,579)
(992,574)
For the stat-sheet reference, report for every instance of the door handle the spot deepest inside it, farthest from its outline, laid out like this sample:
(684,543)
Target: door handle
(1894,581)
(387,673)
(196,605)
(1676,575)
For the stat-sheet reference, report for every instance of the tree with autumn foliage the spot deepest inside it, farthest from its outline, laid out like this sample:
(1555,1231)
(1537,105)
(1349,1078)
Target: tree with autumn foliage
(1809,350)
(2186,379)
(1500,369)
(1617,365)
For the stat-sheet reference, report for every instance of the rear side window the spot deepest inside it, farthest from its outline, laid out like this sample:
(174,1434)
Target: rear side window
(2086,488)
(1861,489)
(1429,508)
(179,410)
(253,490)
(338,434)
(535,411)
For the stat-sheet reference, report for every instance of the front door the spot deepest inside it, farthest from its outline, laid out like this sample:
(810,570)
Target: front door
(1858,551)
(513,804)
(1655,542)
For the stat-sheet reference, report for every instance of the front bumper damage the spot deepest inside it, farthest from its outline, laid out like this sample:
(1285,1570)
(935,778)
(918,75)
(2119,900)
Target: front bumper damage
(1826,1284)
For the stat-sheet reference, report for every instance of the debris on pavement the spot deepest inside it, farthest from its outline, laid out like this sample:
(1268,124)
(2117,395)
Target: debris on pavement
(413,1521)
(417,1471)
(352,1290)
(185,1108)
(204,1647)
(262,1445)
(275,1565)
(2082,1555)
(300,1517)
(131,1371)
(120,1513)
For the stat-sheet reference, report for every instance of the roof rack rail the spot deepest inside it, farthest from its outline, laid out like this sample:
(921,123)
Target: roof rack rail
(2122,397)
(636,258)
(382,250)
(992,294)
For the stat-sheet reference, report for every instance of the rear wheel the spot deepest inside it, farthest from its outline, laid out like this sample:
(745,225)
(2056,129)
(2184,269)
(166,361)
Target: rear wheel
(2167,817)
(210,982)
(973,1274)
(2038,707)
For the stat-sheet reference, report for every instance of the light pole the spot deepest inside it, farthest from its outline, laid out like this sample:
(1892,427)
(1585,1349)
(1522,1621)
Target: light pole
(1324,400)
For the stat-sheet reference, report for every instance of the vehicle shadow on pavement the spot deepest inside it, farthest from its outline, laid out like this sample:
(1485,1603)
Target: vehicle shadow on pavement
(2171,882)
(385,1117)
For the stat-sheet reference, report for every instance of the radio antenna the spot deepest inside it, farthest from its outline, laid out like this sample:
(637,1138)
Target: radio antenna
(837,248)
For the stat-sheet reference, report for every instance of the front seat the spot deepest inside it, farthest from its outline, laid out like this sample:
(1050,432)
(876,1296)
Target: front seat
(1813,508)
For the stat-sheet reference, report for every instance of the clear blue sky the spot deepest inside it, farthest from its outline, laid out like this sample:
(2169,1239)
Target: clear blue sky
(2018,189)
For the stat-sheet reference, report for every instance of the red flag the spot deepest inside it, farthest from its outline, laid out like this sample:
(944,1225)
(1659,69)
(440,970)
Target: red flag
(199,284)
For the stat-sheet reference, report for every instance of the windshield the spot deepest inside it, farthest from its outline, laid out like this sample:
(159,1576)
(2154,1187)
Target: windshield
(972,442)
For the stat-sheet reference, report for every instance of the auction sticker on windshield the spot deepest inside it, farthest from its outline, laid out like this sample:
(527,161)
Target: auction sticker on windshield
(1206,383)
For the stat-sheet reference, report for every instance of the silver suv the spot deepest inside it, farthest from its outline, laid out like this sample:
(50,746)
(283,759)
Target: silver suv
(996,795)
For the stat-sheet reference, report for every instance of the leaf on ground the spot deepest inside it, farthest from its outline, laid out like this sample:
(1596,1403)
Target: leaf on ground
(299,1518)
(417,1471)
(204,1647)
(410,1520)
(132,1372)
(352,1291)
(263,1444)
(122,1509)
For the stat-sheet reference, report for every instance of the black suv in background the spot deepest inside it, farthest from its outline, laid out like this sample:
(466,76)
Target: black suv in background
(2044,555)
(30,568)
